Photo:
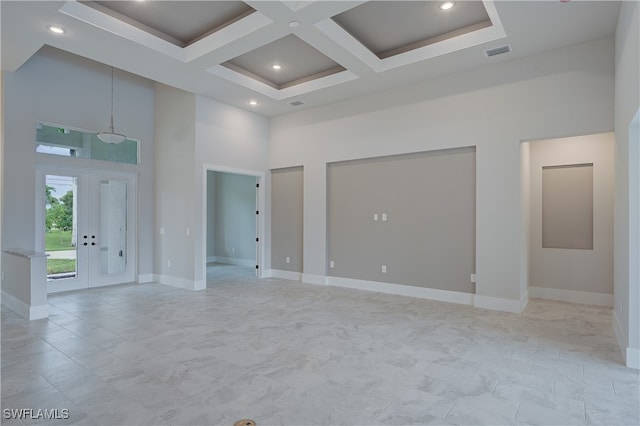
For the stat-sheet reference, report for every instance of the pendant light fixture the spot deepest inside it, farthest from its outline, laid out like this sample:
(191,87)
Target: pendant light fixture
(111,136)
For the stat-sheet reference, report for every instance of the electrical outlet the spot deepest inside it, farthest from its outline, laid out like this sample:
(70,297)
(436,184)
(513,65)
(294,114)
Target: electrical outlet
(288,259)
(375,217)
(188,232)
(2,275)
(384,269)
(332,264)
(168,264)
(473,278)
(161,231)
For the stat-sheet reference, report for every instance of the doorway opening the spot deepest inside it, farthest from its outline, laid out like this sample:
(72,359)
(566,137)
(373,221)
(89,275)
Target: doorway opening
(567,206)
(232,226)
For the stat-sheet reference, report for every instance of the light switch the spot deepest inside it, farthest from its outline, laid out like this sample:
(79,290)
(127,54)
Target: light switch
(288,260)
(188,232)
(384,269)
(384,217)
(161,231)
(332,264)
(375,217)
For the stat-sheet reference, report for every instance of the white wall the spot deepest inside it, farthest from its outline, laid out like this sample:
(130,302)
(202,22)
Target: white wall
(560,93)
(525,202)
(175,197)
(627,251)
(61,88)
(583,276)
(231,139)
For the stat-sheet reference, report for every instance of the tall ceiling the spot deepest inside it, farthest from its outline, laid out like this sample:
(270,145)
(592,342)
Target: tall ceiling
(327,50)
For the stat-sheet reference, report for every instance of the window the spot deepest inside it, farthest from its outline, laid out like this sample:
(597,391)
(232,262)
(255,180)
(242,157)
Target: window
(66,142)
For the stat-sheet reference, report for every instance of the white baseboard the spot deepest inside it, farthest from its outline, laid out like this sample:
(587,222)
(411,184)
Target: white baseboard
(39,312)
(620,334)
(284,275)
(524,300)
(232,261)
(199,284)
(500,304)
(633,358)
(24,310)
(631,355)
(176,282)
(314,279)
(403,290)
(145,278)
(574,296)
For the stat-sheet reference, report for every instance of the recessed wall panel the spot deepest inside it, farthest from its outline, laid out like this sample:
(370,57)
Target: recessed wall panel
(567,206)
(287,219)
(413,214)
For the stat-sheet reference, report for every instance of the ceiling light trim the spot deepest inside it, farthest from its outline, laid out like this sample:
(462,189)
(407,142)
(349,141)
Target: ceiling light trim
(454,44)
(226,35)
(129,32)
(480,36)
(348,42)
(263,88)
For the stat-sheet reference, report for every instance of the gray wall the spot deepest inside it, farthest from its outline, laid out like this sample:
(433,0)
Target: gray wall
(286,218)
(574,269)
(428,239)
(175,202)
(235,216)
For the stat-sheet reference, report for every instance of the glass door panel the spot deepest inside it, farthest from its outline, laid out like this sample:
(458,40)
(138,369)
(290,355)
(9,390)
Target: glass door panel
(61,227)
(113,226)
(113,204)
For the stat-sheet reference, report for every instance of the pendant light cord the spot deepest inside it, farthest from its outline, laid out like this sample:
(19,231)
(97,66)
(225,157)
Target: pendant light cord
(112,128)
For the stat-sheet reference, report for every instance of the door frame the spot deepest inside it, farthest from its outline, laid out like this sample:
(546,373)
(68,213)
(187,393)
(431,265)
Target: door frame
(93,280)
(261,222)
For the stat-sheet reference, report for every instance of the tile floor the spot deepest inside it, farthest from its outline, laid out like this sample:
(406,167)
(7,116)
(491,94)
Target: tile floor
(222,271)
(280,352)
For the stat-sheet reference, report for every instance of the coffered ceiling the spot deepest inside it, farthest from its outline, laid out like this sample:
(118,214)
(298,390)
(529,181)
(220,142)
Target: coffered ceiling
(303,53)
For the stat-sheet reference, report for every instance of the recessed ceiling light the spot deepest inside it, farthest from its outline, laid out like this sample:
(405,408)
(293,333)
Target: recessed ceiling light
(447,5)
(276,67)
(56,29)
(253,102)
(294,24)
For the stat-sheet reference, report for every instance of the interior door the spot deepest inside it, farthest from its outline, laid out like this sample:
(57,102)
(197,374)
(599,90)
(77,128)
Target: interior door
(87,227)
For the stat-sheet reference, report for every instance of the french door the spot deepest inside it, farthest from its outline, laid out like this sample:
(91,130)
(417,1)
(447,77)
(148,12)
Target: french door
(87,227)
